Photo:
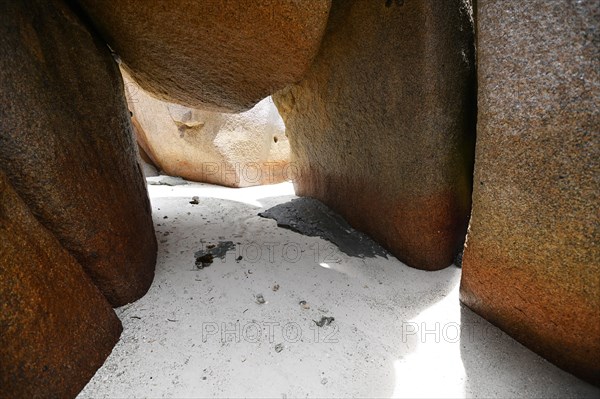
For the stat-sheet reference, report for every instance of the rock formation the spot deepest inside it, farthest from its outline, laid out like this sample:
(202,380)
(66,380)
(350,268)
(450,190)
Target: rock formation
(212,54)
(235,150)
(381,128)
(56,328)
(67,148)
(532,260)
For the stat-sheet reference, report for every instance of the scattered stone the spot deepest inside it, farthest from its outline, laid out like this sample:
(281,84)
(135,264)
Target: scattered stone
(205,258)
(238,259)
(260,299)
(304,305)
(312,218)
(325,321)
(278,348)
(204,261)
(276,287)
(168,181)
(195,200)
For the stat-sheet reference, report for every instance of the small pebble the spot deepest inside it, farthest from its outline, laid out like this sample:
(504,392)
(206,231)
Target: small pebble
(323,381)
(195,200)
(325,321)
(260,299)
(278,348)
(276,287)
(304,305)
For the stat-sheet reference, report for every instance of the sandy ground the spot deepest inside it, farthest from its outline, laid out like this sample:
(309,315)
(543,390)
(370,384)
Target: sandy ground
(397,331)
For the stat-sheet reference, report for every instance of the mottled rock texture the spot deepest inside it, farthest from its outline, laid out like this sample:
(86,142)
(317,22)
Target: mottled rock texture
(67,148)
(212,54)
(382,127)
(235,150)
(532,259)
(56,328)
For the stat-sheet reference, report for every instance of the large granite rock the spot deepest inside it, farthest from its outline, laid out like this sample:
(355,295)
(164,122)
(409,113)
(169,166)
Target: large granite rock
(56,328)
(381,128)
(532,259)
(67,148)
(212,54)
(236,150)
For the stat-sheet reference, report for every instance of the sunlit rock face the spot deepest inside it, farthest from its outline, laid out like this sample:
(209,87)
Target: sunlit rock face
(382,127)
(235,150)
(212,54)
(531,263)
(67,147)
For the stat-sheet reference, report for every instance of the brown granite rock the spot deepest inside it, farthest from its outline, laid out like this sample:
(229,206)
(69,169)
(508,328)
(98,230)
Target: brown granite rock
(56,328)
(236,150)
(381,128)
(212,54)
(67,148)
(532,260)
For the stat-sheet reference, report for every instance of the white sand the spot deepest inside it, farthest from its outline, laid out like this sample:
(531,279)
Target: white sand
(398,332)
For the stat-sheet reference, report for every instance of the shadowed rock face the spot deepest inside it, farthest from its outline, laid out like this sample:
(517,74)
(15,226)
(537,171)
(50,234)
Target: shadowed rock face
(381,128)
(67,148)
(532,261)
(222,55)
(56,328)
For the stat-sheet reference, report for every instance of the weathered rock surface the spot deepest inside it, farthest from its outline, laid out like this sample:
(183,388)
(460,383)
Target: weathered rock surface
(212,54)
(236,150)
(381,128)
(532,261)
(56,328)
(67,148)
